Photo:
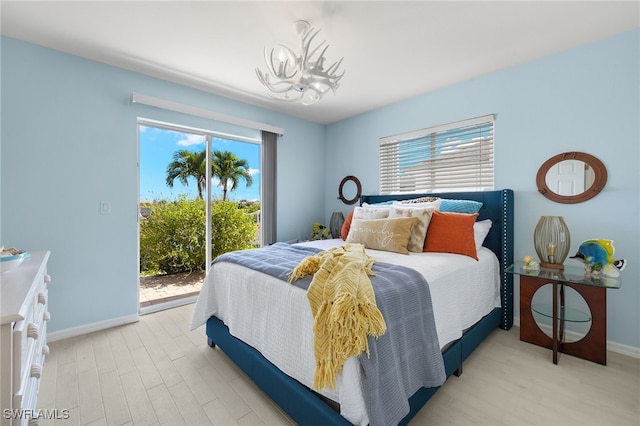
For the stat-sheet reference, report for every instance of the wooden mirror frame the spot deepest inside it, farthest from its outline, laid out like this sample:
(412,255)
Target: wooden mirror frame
(358,190)
(600,178)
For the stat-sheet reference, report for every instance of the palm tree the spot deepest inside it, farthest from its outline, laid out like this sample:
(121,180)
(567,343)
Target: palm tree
(188,164)
(229,169)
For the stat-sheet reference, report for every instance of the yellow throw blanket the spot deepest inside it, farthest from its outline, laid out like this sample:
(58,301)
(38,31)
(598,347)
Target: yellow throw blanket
(343,306)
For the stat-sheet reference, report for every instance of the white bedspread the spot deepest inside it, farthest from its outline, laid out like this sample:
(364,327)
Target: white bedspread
(274,317)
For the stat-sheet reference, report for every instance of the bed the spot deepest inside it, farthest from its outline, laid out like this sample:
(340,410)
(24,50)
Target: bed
(274,366)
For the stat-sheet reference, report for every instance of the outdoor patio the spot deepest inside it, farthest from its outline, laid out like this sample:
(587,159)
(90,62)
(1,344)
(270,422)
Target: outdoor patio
(163,288)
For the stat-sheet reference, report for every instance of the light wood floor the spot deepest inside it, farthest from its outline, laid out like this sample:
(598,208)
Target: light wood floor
(157,372)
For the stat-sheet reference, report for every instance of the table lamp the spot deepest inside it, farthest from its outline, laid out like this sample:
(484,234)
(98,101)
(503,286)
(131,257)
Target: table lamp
(552,241)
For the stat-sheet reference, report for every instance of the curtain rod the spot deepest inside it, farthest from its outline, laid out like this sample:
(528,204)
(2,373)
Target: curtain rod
(138,98)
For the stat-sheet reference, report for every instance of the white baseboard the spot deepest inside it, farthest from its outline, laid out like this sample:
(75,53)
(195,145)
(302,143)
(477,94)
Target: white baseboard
(90,328)
(572,335)
(102,325)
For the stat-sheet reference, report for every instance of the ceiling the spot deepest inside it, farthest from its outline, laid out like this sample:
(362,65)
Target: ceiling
(392,50)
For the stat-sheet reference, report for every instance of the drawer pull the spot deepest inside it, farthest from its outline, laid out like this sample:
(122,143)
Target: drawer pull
(47,278)
(32,331)
(36,371)
(45,350)
(42,298)
(46,316)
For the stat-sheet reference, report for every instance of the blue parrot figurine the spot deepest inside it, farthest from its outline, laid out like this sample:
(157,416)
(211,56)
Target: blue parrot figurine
(600,252)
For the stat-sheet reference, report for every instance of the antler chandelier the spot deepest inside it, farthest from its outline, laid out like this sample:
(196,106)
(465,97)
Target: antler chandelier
(300,77)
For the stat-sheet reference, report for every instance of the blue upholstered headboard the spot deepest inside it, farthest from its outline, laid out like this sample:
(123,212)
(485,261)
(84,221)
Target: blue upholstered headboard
(497,206)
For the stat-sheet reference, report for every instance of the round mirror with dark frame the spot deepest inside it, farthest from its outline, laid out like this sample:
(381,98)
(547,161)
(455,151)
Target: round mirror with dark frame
(571,177)
(358,190)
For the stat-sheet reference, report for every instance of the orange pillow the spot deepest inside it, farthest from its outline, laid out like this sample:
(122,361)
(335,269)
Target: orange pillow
(346,226)
(451,233)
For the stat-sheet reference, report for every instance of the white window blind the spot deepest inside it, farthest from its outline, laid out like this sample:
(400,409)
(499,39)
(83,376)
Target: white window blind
(452,157)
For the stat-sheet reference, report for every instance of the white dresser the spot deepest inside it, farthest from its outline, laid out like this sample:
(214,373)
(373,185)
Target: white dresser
(23,338)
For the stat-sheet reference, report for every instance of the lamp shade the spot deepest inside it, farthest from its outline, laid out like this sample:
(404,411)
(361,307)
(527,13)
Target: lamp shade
(552,241)
(335,224)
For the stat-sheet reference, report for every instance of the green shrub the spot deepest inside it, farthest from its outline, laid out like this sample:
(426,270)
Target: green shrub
(172,238)
(232,228)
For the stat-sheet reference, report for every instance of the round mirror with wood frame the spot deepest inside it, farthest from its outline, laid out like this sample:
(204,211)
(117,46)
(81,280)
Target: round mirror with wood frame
(358,190)
(587,176)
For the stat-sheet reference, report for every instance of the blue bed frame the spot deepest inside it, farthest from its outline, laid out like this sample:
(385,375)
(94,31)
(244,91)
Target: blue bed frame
(306,407)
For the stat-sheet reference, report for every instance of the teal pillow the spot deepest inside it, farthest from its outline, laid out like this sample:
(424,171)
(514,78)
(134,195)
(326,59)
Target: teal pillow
(460,206)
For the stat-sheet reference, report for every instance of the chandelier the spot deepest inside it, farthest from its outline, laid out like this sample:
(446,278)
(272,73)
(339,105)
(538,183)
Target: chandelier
(301,77)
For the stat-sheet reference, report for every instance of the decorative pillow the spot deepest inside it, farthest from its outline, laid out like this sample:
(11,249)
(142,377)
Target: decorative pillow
(371,212)
(419,200)
(419,232)
(451,233)
(380,204)
(382,234)
(460,206)
(367,211)
(435,203)
(480,231)
(346,226)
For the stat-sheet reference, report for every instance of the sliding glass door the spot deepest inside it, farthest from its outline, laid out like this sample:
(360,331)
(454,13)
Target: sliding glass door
(199,195)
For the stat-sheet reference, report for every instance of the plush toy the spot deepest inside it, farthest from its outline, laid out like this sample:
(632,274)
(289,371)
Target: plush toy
(319,232)
(597,255)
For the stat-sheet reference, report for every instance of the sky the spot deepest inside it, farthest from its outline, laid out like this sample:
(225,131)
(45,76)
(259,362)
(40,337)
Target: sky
(157,146)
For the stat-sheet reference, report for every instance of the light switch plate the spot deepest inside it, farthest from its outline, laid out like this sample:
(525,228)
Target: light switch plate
(105,207)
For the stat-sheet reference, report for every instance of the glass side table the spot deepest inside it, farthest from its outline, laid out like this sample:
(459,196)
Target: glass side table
(593,346)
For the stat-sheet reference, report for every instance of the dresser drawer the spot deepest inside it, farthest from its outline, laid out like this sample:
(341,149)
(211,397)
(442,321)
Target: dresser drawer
(29,339)
(33,352)
(23,338)
(25,398)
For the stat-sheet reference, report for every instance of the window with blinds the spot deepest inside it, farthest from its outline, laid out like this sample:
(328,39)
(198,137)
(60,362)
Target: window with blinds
(453,157)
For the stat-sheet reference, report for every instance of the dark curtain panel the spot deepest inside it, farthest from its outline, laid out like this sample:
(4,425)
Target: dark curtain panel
(268,170)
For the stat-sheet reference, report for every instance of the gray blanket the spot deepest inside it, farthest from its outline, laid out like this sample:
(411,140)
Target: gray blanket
(406,358)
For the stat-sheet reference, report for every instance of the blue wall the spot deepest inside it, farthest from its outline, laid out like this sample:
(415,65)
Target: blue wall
(585,99)
(69,141)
